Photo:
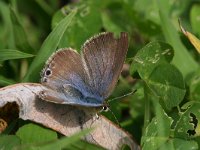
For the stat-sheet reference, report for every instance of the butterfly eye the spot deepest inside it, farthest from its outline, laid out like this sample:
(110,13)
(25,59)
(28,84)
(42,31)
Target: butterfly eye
(48,72)
(105,108)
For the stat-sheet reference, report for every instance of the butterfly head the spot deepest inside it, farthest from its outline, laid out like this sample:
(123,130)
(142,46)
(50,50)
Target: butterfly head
(105,107)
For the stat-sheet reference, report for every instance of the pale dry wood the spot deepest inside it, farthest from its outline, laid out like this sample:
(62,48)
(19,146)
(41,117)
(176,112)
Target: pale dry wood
(64,118)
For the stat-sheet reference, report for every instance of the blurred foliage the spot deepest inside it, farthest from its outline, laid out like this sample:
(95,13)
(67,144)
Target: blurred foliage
(163,65)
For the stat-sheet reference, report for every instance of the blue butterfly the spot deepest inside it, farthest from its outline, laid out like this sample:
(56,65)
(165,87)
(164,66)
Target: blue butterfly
(85,79)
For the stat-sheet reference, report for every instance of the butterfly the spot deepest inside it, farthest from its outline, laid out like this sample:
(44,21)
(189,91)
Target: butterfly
(85,79)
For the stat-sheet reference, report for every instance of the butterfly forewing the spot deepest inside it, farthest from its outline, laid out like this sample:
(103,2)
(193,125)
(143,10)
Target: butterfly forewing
(64,66)
(103,58)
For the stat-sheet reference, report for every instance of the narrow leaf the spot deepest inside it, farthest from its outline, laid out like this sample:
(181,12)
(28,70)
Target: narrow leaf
(6,27)
(88,21)
(20,37)
(182,58)
(48,47)
(193,39)
(4,81)
(7,54)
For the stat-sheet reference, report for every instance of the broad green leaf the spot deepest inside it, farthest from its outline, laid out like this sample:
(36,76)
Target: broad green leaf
(9,142)
(32,133)
(108,24)
(65,142)
(179,144)
(194,86)
(188,125)
(7,54)
(150,12)
(167,83)
(20,36)
(150,56)
(87,22)
(194,18)
(137,101)
(158,131)
(87,146)
(151,62)
(48,47)
(182,58)
(114,20)
(145,17)
(5,81)
(177,9)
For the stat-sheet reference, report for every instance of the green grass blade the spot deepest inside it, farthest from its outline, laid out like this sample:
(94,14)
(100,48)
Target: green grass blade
(7,54)
(4,81)
(20,37)
(48,47)
(182,58)
(44,5)
(6,36)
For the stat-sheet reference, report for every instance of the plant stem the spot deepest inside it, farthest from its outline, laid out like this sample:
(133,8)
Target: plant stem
(146,107)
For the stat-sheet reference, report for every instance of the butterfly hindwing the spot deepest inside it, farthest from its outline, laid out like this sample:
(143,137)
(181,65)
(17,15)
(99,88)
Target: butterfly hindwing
(64,74)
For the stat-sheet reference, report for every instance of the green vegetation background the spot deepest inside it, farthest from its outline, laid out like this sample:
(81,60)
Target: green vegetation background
(163,65)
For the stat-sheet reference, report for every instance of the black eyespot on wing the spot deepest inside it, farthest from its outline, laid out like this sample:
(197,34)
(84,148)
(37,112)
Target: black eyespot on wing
(48,72)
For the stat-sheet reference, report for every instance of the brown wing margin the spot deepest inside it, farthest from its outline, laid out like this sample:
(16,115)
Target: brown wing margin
(61,66)
(103,58)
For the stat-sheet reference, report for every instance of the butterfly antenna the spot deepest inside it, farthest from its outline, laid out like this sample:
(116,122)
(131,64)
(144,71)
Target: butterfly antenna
(105,109)
(132,92)
(114,116)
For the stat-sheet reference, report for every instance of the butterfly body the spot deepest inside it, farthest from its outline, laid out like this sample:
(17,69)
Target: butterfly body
(85,79)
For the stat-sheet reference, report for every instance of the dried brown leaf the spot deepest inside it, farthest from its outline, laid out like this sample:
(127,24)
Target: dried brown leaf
(64,118)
